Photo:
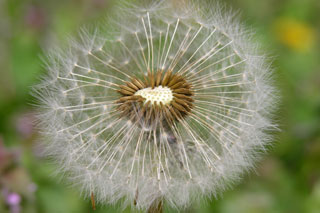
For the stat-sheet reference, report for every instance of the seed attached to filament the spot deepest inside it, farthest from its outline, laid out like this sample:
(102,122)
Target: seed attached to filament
(159,96)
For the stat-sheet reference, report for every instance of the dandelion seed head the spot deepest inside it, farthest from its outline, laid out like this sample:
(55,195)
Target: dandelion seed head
(171,101)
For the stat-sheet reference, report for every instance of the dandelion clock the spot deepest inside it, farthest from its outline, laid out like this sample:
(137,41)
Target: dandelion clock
(168,102)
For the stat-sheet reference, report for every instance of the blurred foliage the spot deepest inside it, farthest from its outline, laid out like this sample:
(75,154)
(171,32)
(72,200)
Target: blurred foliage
(287,180)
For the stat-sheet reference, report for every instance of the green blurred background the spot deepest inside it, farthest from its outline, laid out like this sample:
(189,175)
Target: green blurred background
(287,180)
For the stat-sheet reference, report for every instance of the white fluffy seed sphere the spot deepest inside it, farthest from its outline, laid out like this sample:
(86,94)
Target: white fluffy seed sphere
(178,158)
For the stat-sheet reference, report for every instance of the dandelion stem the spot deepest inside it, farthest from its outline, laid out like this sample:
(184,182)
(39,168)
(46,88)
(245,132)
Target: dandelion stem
(156,206)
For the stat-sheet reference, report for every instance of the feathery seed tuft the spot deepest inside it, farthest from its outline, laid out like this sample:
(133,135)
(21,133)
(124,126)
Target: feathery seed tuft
(171,105)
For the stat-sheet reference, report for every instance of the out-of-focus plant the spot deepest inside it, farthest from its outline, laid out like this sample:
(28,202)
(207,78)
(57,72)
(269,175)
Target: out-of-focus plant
(15,183)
